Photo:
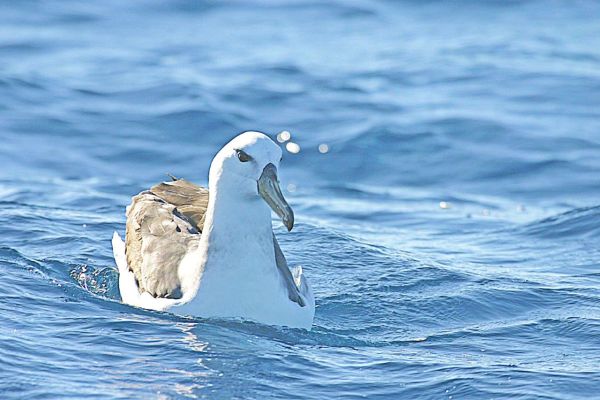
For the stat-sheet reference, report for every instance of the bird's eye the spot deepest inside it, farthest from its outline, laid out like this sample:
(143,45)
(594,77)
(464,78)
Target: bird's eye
(243,156)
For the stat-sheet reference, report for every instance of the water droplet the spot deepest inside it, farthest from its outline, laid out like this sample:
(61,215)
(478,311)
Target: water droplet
(323,148)
(284,136)
(444,205)
(291,188)
(292,147)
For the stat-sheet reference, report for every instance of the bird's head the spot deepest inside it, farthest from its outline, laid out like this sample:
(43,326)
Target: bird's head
(248,165)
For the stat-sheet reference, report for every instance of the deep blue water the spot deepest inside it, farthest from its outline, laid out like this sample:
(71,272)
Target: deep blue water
(491,107)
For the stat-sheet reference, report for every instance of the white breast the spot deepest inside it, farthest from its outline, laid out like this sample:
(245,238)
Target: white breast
(240,279)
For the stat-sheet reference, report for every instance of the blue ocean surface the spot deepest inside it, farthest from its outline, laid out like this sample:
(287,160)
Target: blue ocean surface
(449,223)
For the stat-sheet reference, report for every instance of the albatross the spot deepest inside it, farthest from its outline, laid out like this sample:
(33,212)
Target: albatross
(212,252)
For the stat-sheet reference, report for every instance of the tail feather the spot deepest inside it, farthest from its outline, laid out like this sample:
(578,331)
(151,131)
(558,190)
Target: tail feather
(302,284)
(119,253)
(127,284)
(297,274)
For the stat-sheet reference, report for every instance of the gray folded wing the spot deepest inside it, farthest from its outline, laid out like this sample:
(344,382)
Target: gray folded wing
(158,235)
(191,200)
(162,225)
(286,275)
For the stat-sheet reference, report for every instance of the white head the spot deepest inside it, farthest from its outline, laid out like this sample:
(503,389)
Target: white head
(247,167)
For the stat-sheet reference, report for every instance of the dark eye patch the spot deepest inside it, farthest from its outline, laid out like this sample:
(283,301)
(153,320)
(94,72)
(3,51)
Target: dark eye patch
(243,156)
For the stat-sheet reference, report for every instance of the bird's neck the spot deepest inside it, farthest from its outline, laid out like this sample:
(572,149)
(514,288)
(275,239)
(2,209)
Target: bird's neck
(237,227)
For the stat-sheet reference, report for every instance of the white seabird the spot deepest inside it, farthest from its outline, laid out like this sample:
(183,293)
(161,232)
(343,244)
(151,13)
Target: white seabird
(212,253)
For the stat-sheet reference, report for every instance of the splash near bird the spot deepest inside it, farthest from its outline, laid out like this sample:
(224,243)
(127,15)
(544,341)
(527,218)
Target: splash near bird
(212,252)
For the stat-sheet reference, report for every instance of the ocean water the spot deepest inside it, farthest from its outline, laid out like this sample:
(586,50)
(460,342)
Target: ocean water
(451,232)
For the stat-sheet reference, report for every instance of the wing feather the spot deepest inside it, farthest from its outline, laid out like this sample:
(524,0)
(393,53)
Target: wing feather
(157,238)
(286,275)
(191,200)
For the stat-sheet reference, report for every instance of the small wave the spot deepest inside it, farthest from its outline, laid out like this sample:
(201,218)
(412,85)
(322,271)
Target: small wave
(193,120)
(580,222)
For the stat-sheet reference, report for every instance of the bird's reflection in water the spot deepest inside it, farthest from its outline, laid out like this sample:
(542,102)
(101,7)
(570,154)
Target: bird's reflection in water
(197,376)
(190,337)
